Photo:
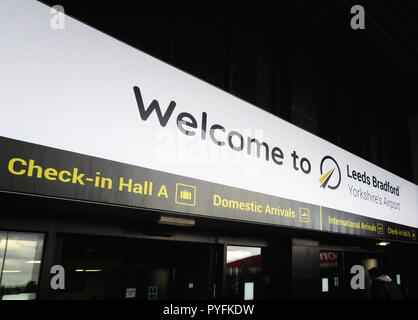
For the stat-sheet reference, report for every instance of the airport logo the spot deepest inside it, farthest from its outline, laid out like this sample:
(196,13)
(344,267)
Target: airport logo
(330,173)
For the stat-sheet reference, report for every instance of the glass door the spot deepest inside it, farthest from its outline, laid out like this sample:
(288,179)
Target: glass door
(20,263)
(243,266)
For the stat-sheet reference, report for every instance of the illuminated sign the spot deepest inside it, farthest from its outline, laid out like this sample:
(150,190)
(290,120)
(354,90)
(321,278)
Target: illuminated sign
(87,117)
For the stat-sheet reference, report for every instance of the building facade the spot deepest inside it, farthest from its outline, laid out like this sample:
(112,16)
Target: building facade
(270,179)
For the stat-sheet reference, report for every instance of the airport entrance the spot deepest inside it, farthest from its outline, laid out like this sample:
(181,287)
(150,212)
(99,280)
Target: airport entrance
(101,268)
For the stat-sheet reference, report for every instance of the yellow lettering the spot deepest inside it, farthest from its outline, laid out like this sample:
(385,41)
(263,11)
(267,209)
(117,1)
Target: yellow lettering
(137,188)
(109,183)
(216,200)
(31,167)
(77,177)
(12,163)
(163,192)
(242,206)
(122,185)
(61,176)
(50,174)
